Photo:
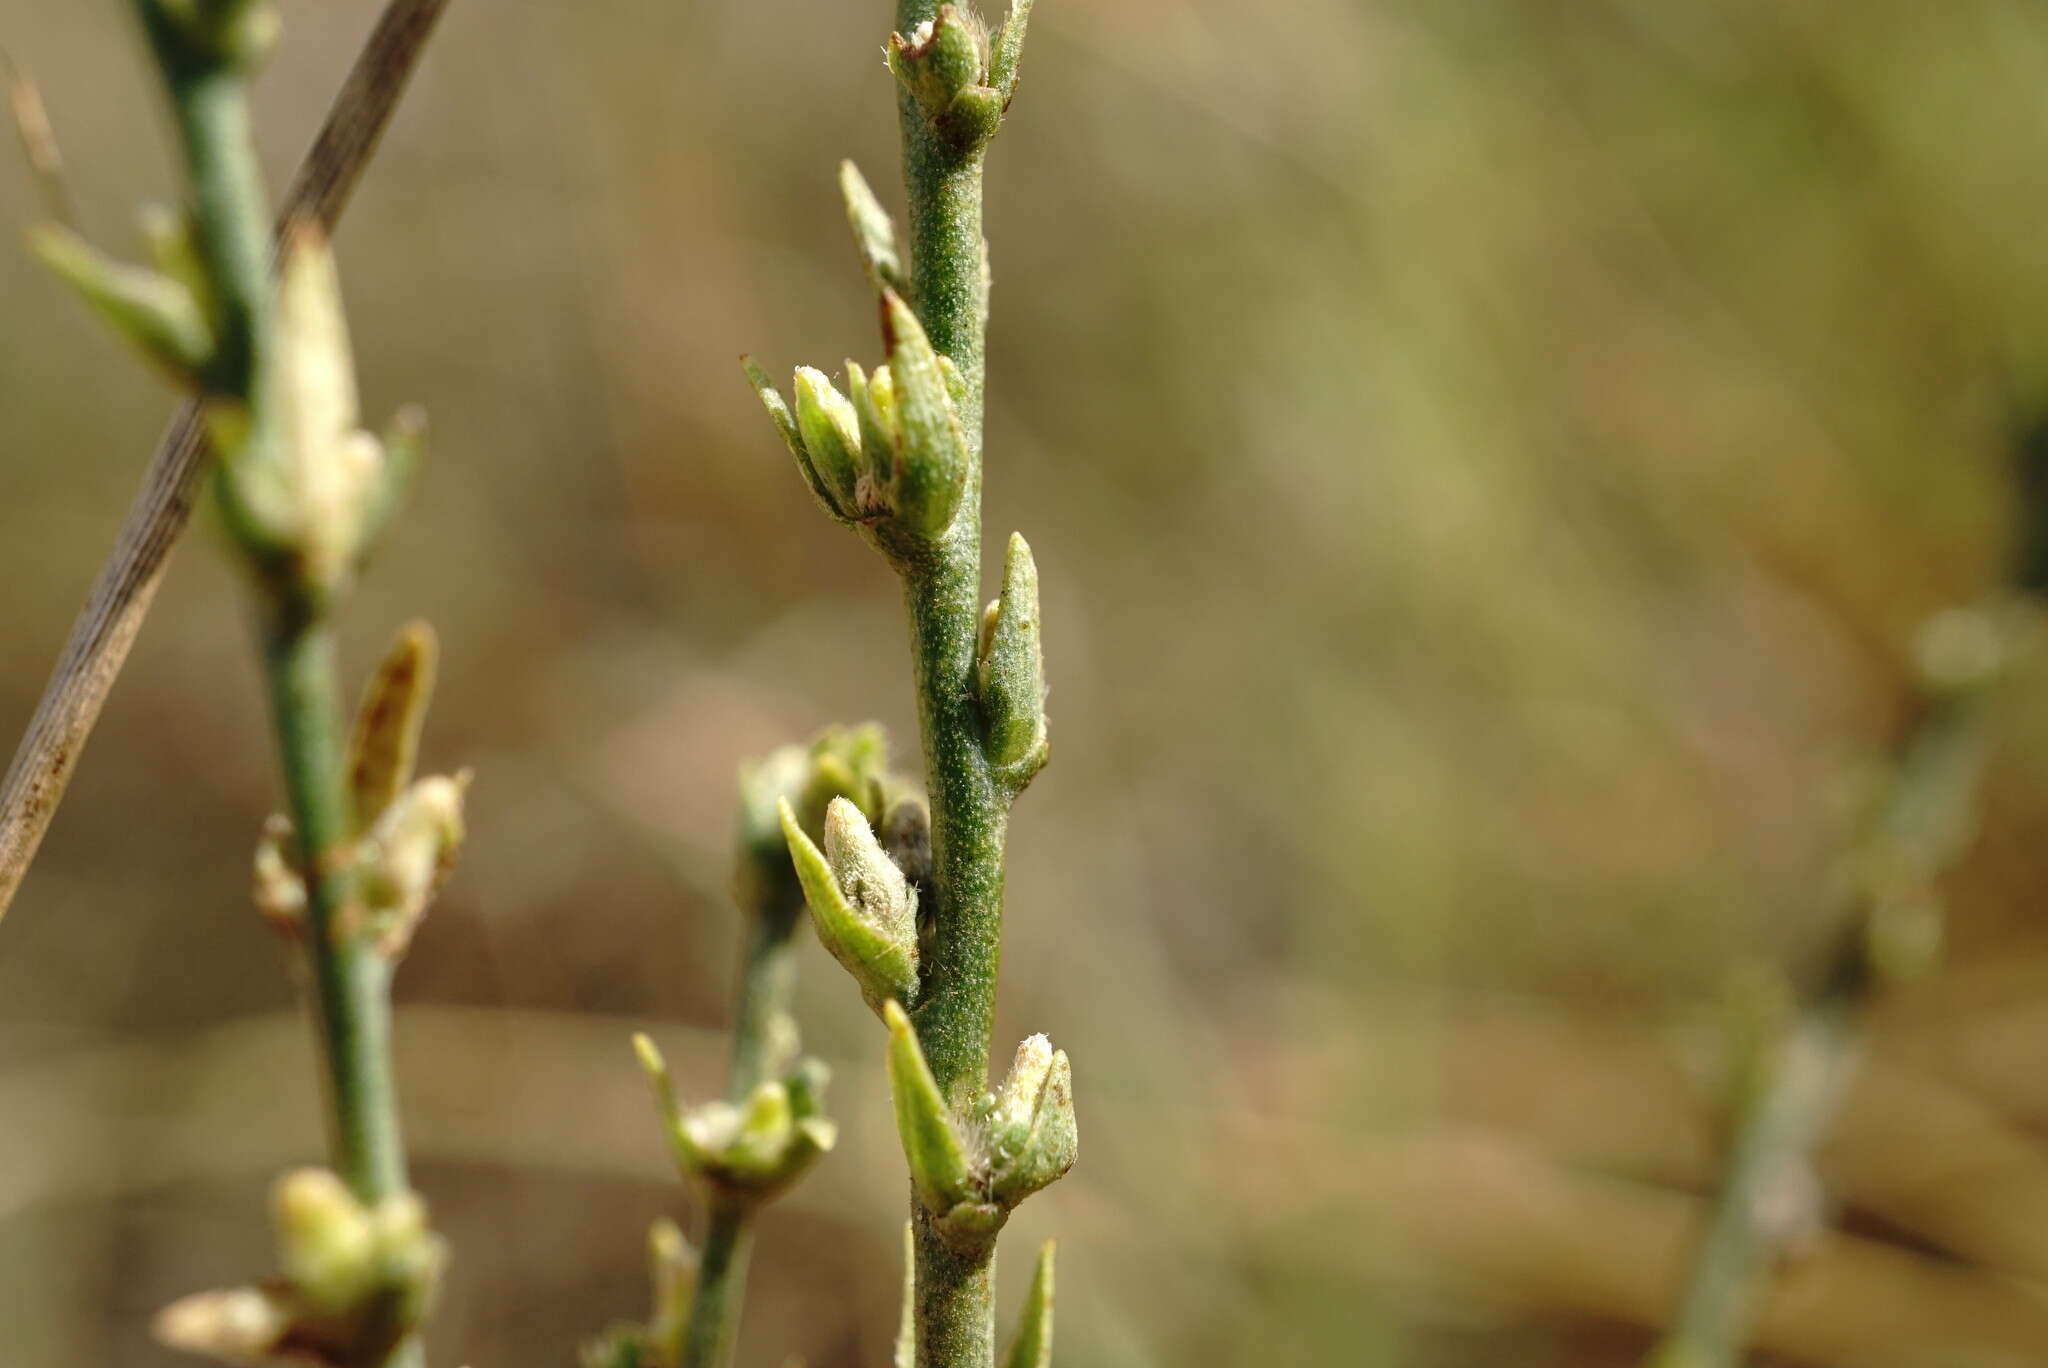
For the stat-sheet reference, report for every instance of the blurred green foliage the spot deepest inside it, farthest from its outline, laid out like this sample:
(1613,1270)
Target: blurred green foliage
(1485,462)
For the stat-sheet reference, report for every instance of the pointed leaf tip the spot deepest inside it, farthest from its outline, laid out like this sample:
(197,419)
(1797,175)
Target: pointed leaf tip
(384,747)
(931,1144)
(1031,1343)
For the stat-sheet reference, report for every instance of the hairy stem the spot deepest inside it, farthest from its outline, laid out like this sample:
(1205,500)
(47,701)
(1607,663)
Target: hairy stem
(955,1011)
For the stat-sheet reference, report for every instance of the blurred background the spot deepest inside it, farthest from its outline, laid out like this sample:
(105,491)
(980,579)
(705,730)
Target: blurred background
(1486,462)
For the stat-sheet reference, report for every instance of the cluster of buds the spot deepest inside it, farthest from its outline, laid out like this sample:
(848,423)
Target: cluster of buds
(309,499)
(849,763)
(893,457)
(355,1281)
(961,78)
(745,1153)
(658,1342)
(407,831)
(971,1170)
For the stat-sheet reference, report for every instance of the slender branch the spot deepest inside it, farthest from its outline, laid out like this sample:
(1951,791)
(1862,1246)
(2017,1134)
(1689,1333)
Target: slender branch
(1767,1177)
(302,490)
(955,1011)
(1767,1190)
(721,1288)
(767,978)
(352,979)
(121,594)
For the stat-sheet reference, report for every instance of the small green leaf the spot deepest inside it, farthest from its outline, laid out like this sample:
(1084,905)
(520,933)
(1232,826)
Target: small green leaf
(873,233)
(154,313)
(830,432)
(1031,1343)
(938,1161)
(1009,51)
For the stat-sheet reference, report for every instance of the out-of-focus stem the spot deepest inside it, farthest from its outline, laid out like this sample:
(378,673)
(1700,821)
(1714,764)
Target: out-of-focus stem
(1919,830)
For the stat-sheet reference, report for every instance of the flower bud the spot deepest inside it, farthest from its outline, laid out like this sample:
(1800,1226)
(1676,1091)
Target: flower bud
(1028,1130)
(843,762)
(406,857)
(356,1281)
(237,1326)
(944,64)
(279,892)
(1017,1140)
(1010,675)
(745,1153)
(326,1244)
(863,907)
(932,461)
(304,506)
(830,433)
(1031,1342)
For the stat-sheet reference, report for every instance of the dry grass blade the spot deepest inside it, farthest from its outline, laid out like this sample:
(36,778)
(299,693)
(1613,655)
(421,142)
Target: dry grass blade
(121,595)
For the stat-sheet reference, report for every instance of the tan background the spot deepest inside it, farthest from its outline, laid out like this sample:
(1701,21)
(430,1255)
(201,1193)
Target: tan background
(1484,460)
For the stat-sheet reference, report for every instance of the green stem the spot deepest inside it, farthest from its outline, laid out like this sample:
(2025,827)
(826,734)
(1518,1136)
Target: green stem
(721,1287)
(767,978)
(955,1011)
(230,207)
(1769,1160)
(1921,827)
(352,980)
(209,94)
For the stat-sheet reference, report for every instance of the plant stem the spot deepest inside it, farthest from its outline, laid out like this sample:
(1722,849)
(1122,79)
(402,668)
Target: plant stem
(121,594)
(721,1287)
(1767,1164)
(955,1011)
(352,980)
(767,977)
(1919,830)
